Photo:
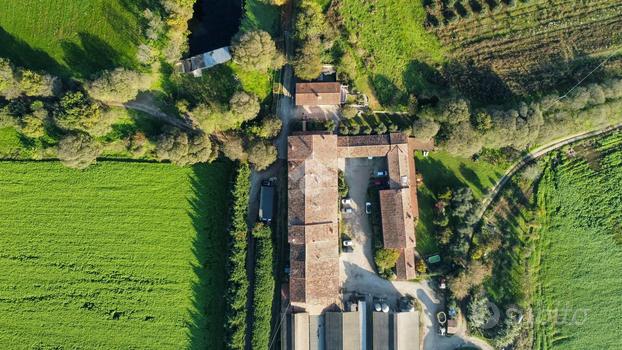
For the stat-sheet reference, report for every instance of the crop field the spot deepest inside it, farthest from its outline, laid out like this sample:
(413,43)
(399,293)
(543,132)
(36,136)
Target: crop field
(578,261)
(392,48)
(119,256)
(70,38)
(529,47)
(441,171)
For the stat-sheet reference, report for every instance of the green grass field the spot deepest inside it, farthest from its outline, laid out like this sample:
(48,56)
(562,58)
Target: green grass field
(578,261)
(392,47)
(119,256)
(70,38)
(442,171)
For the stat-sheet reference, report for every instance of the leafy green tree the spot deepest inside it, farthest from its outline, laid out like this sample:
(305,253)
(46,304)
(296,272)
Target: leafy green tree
(308,61)
(256,50)
(367,130)
(244,106)
(479,313)
(78,150)
(386,258)
(75,111)
(482,121)
(425,129)
(232,147)
(269,128)
(349,112)
(9,87)
(33,125)
(343,128)
(35,84)
(262,154)
(182,148)
(355,129)
(381,128)
(120,85)
(310,22)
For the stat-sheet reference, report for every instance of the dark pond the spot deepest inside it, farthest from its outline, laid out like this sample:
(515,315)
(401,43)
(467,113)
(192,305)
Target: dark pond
(214,23)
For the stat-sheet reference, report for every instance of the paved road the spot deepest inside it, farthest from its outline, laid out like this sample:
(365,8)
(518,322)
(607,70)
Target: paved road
(535,154)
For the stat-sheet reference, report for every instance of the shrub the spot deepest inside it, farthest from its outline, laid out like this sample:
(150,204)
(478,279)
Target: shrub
(367,130)
(381,128)
(342,185)
(78,151)
(343,129)
(349,112)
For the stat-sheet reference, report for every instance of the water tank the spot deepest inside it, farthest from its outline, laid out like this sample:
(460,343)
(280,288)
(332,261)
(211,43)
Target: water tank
(385,307)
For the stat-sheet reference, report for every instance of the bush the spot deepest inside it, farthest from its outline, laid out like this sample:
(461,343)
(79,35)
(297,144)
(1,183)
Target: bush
(263,288)
(236,294)
(342,185)
(78,151)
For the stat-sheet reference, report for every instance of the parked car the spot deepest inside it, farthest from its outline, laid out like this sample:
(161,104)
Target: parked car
(368,208)
(347,210)
(346,201)
(347,242)
(381,173)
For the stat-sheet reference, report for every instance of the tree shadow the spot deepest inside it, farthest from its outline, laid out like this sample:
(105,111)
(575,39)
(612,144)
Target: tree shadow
(422,79)
(210,184)
(93,55)
(120,23)
(23,55)
(387,93)
(478,82)
(470,176)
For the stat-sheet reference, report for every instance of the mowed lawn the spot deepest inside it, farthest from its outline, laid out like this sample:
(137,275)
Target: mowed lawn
(120,256)
(579,259)
(70,37)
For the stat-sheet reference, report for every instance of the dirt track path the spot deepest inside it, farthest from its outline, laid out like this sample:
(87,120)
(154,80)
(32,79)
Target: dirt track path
(536,153)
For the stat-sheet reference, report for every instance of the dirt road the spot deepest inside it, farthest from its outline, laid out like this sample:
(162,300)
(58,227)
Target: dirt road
(535,154)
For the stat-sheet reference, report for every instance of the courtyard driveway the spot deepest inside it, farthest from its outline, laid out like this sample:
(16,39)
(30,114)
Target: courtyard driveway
(357,273)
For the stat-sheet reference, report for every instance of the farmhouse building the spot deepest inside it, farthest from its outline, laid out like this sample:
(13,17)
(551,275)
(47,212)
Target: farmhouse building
(320,94)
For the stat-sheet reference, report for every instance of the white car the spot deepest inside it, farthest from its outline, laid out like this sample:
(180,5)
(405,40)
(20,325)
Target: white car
(347,242)
(346,201)
(347,210)
(381,173)
(368,207)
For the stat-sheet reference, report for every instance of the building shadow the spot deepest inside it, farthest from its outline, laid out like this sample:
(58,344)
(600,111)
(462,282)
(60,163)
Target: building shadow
(209,218)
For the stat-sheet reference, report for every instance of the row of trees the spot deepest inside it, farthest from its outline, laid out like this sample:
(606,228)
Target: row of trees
(263,288)
(465,131)
(236,295)
(449,11)
(310,28)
